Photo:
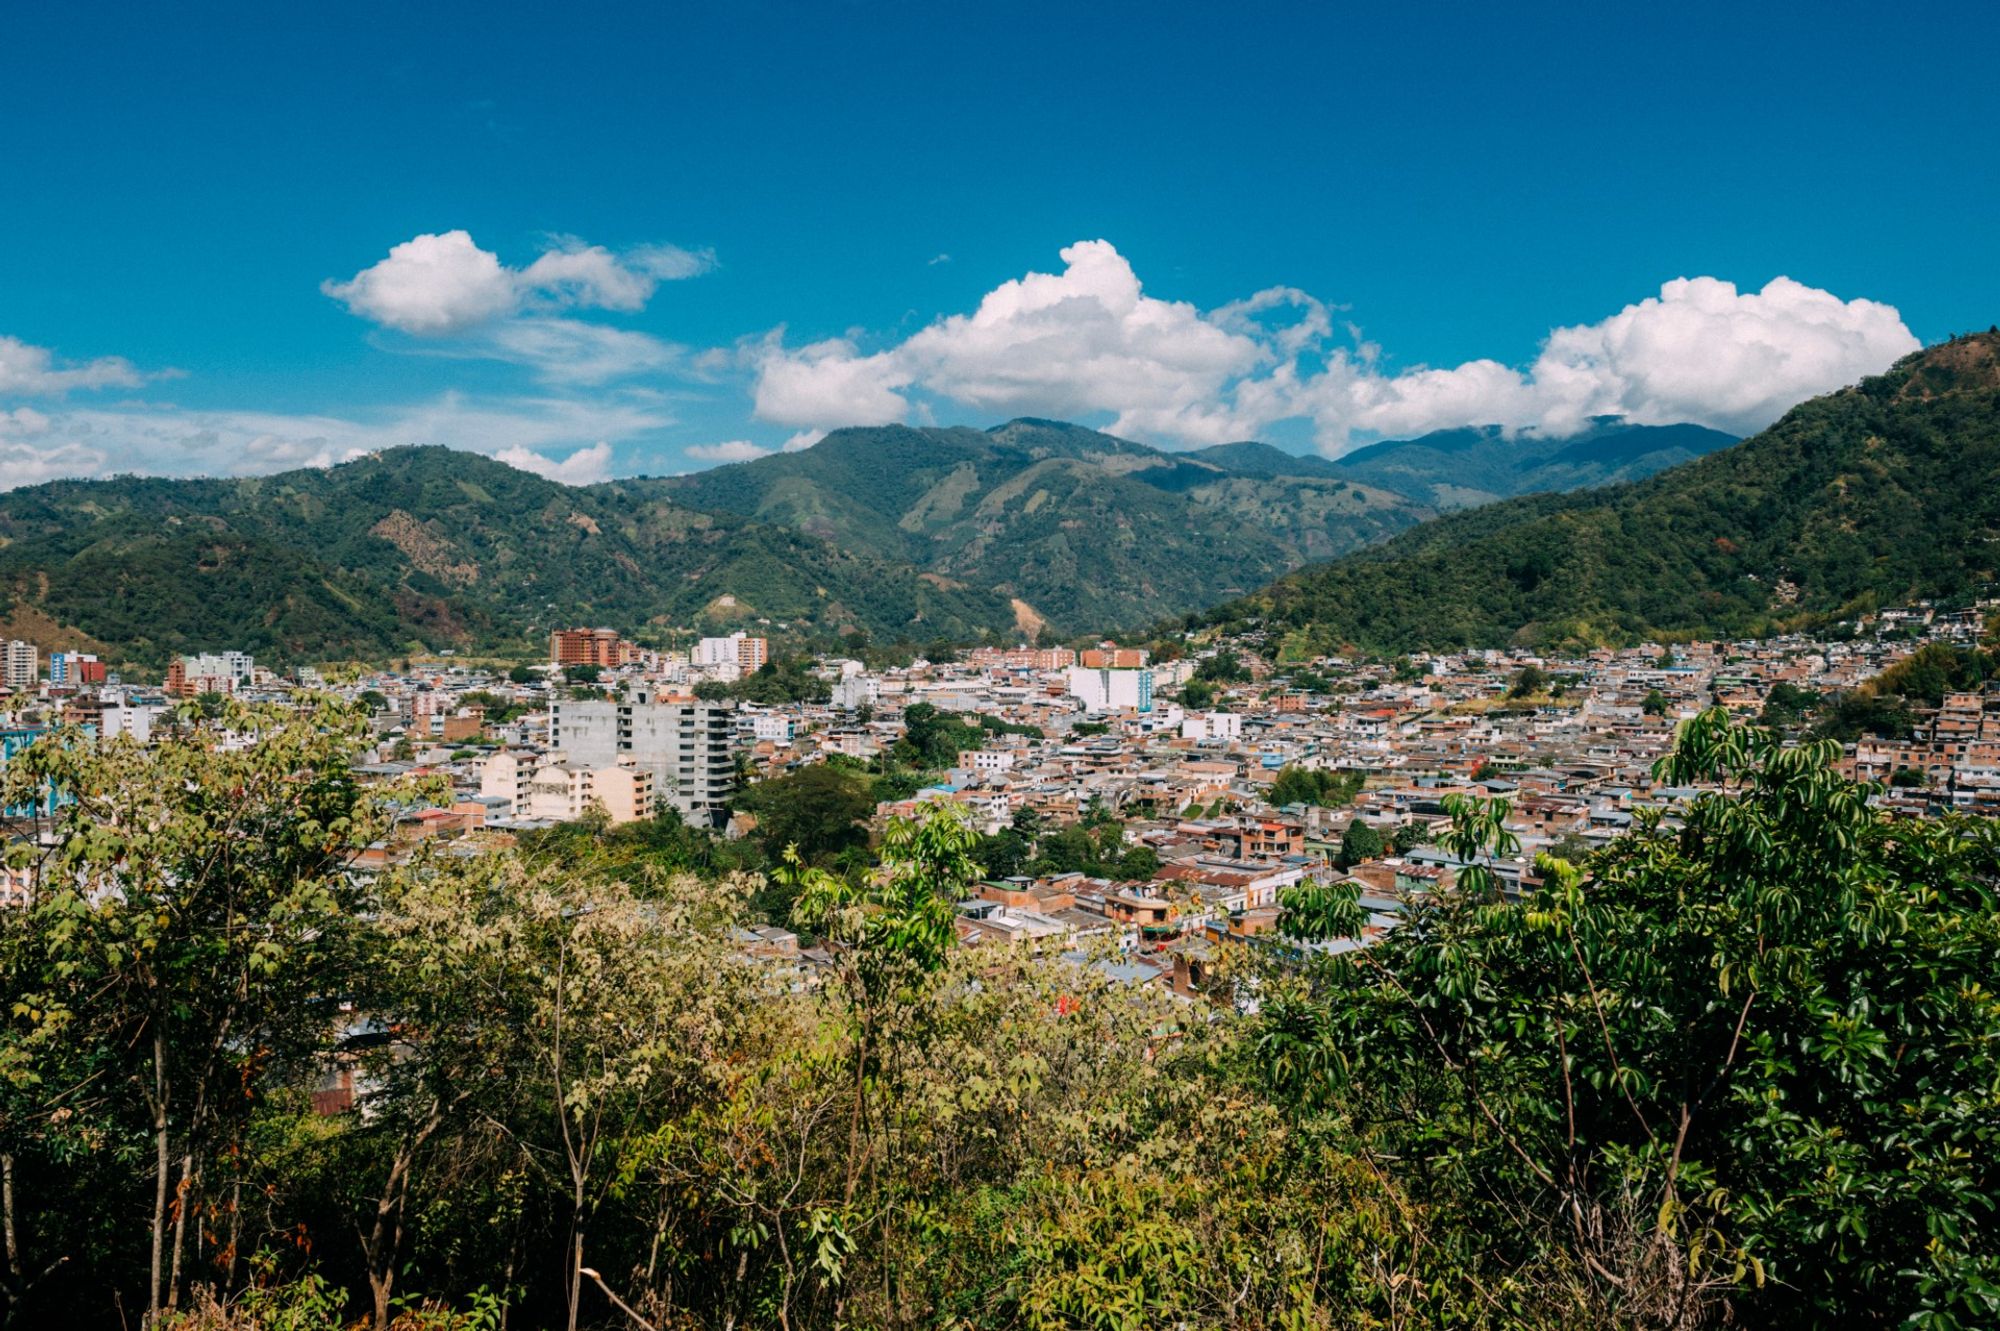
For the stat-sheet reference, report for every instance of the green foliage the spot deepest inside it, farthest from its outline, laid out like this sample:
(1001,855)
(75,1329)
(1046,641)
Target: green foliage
(819,811)
(1198,695)
(1309,785)
(1655,703)
(1095,533)
(1358,843)
(1769,1104)
(780,680)
(1528,681)
(583,674)
(1223,667)
(426,546)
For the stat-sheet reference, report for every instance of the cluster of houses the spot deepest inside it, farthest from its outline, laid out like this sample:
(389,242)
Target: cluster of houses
(1102,736)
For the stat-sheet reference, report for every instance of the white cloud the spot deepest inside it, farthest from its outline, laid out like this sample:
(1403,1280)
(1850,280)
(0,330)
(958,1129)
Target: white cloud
(586,466)
(1089,343)
(438,285)
(829,384)
(570,351)
(33,371)
(431,285)
(168,441)
(730,450)
(801,441)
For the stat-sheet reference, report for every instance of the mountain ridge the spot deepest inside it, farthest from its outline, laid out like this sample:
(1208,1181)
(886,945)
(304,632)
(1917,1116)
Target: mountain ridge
(1887,490)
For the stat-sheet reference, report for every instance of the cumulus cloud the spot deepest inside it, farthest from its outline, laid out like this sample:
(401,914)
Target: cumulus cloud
(729,450)
(586,466)
(1089,343)
(34,371)
(439,285)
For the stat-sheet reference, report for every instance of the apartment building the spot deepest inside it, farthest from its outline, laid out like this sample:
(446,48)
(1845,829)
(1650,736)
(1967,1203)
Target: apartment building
(75,669)
(739,649)
(23,664)
(595,647)
(1108,690)
(685,745)
(566,791)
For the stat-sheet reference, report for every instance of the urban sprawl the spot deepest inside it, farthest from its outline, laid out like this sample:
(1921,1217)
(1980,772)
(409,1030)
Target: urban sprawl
(1214,767)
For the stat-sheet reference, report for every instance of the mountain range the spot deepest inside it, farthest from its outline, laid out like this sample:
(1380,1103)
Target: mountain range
(1030,526)
(1880,493)
(1090,533)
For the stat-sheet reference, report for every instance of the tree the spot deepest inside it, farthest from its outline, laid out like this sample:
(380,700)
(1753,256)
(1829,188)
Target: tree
(1358,843)
(1222,667)
(194,894)
(1306,785)
(1655,703)
(1764,1106)
(1004,854)
(1139,864)
(894,932)
(583,674)
(524,674)
(1528,681)
(820,810)
(624,1023)
(1197,695)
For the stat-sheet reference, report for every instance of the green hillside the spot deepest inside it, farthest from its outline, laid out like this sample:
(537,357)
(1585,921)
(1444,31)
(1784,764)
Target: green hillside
(1461,468)
(422,547)
(1089,531)
(1883,492)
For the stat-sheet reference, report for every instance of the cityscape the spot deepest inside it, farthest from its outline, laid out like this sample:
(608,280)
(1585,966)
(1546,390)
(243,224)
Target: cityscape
(831,667)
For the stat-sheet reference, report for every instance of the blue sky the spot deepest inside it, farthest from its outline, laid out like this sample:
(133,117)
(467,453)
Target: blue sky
(1314,224)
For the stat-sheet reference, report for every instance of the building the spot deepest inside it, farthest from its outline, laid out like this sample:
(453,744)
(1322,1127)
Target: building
(502,782)
(23,664)
(594,647)
(685,745)
(565,791)
(739,649)
(1113,658)
(210,672)
(851,692)
(1212,726)
(1108,690)
(75,669)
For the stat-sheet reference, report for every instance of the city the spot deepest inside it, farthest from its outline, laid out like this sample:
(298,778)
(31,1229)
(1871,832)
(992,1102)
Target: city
(1043,667)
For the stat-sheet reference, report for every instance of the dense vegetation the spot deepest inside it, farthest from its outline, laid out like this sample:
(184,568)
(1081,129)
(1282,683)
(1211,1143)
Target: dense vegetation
(1093,533)
(1877,494)
(249,1089)
(903,534)
(426,547)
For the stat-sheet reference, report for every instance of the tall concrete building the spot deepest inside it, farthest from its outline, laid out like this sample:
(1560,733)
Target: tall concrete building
(24,664)
(685,745)
(739,649)
(1112,690)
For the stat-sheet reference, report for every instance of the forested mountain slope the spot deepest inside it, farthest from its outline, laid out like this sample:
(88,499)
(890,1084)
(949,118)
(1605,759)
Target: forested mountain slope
(1885,491)
(422,547)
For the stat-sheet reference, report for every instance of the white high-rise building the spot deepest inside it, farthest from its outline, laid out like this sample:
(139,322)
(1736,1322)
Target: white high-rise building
(1112,690)
(24,664)
(739,649)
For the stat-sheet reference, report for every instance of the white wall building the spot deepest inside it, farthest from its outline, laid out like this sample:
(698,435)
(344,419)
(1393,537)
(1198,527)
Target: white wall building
(1112,690)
